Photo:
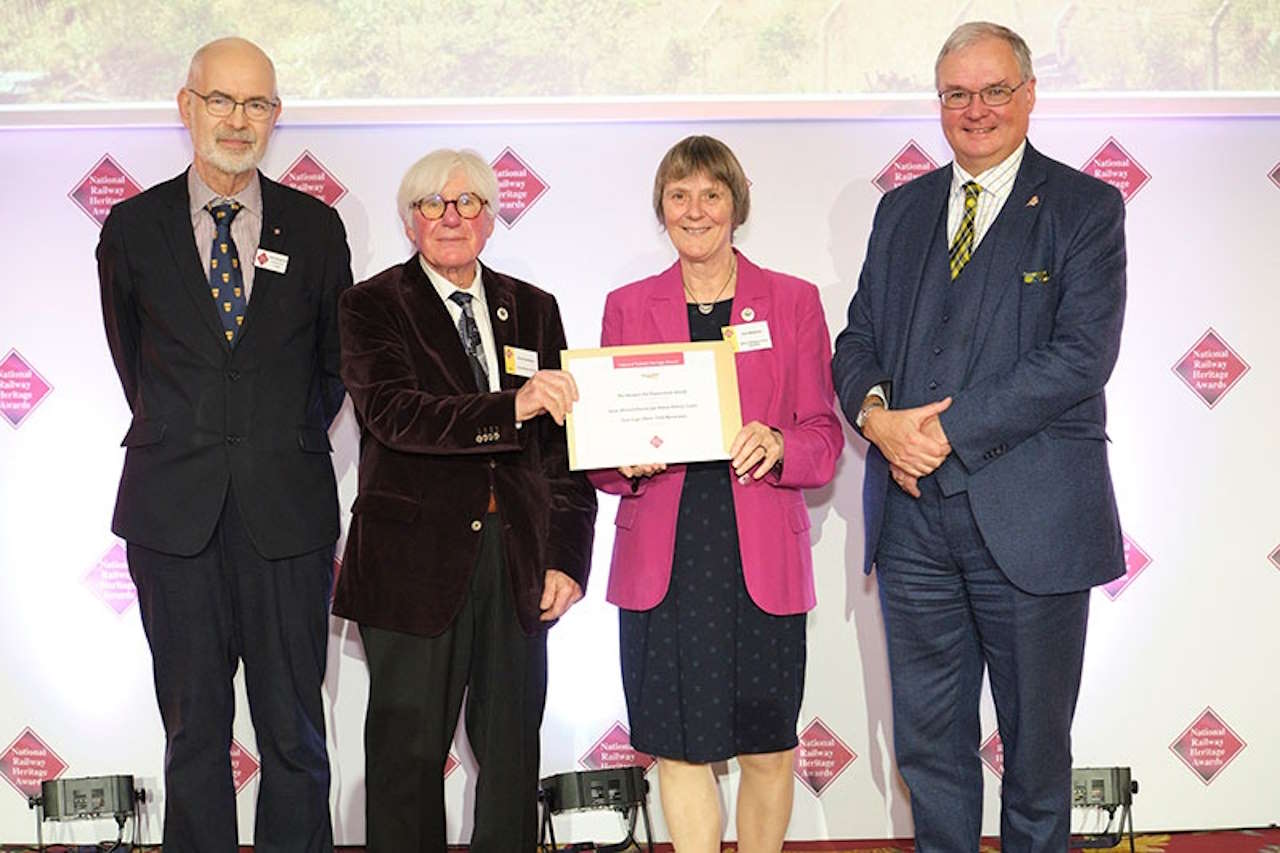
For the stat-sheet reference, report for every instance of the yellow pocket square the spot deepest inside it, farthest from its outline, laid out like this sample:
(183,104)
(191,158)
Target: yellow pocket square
(1036,277)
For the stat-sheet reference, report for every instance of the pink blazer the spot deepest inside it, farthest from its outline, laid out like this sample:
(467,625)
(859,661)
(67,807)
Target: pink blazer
(787,387)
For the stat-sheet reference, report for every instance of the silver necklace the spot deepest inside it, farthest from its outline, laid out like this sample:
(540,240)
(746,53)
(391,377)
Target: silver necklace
(708,307)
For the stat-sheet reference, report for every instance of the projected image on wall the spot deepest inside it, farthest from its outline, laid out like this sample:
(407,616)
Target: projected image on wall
(75,52)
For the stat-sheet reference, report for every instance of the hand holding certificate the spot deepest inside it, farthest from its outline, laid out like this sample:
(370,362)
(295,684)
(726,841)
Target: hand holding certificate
(656,403)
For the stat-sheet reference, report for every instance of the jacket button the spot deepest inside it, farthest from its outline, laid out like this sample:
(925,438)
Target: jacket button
(492,464)
(933,386)
(476,525)
(233,375)
(233,440)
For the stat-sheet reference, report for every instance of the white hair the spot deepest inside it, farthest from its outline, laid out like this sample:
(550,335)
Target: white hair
(428,176)
(975,31)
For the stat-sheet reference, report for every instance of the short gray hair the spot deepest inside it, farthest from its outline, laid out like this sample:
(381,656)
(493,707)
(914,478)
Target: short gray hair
(975,31)
(429,175)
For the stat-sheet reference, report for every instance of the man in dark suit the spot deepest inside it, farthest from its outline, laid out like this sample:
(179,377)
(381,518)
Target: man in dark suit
(985,325)
(469,533)
(219,292)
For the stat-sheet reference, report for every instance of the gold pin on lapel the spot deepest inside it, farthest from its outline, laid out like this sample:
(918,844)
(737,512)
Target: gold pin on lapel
(1033,201)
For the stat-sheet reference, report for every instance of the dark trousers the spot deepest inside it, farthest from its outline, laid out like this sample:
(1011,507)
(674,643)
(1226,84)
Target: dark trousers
(949,612)
(416,686)
(203,615)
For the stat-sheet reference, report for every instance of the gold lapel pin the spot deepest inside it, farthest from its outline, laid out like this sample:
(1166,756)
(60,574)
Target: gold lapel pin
(1033,201)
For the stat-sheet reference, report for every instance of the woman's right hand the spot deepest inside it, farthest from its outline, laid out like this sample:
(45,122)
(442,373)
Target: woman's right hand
(632,472)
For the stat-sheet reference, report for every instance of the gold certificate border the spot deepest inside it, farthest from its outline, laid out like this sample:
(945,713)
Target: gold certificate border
(726,381)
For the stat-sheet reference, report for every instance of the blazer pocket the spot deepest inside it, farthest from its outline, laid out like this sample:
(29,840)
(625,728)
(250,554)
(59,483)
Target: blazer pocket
(627,510)
(386,505)
(1077,429)
(313,440)
(143,432)
(798,515)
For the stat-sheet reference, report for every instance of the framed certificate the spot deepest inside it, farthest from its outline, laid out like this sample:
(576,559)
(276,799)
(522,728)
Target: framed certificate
(674,402)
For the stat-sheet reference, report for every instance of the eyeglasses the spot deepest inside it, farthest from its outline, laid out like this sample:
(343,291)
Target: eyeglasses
(993,96)
(467,205)
(221,105)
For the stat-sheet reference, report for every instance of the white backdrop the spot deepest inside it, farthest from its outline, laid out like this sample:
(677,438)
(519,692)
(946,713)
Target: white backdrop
(1193,632)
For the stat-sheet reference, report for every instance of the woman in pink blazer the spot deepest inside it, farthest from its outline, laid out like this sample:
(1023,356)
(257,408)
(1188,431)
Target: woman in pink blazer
(711,568)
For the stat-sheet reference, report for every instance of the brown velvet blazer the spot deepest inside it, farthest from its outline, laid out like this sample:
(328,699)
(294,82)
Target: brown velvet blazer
(432,446)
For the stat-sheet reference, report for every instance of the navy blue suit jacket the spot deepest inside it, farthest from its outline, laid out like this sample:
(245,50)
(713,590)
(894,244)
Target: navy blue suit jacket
(207,417)
(1028,423)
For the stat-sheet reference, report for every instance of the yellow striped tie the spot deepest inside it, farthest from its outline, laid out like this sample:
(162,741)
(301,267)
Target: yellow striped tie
(962,243)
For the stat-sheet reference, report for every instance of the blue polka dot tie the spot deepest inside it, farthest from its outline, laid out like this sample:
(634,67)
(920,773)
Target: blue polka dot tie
(226,280)
(469,332)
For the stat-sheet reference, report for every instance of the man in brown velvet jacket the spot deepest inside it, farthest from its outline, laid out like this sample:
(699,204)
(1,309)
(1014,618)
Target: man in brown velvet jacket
(469,534)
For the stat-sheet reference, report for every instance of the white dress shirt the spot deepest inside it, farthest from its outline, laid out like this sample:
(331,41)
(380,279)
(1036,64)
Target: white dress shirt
(996,183)
(479,307)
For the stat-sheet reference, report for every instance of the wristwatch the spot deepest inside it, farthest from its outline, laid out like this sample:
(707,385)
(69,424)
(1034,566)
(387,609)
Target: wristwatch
(875,403)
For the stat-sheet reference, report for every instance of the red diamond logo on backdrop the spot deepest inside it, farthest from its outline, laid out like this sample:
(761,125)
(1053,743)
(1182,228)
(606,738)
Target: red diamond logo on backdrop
(21,388)
(109,580)
(1274,557)
(105,185)
(1112,164)
(27,762)
(821,757)
(308,175)
(615,750)
(1207,746)
(1210,368)
(518,187)
(656,441)
(244,766)
(907,165)
(450,764)
(1135,560)
(1275,175)
(992,753)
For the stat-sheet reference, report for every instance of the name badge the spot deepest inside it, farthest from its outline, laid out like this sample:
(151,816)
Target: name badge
(266,259)
(520,362)
(748,337)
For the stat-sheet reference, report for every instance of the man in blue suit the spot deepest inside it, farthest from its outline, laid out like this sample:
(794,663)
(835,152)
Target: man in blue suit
(985,325)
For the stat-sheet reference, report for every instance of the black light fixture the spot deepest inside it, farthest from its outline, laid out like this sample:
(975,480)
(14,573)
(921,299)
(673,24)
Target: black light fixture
(89,797)
(622,789)
(1105,789)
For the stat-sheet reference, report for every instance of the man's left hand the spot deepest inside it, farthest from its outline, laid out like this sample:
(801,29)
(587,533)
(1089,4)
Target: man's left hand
(559,593)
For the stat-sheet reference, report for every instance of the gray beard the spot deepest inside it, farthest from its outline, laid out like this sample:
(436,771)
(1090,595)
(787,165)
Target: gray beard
(231,164)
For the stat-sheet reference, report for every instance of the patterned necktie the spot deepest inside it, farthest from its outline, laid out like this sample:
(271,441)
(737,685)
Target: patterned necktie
(470,334)
(962,243)
(226,280)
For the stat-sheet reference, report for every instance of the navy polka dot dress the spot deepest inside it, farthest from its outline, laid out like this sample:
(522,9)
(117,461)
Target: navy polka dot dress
(707,674)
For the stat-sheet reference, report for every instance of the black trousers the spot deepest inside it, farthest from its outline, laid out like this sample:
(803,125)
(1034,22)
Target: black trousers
(203,615)
(416,686)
